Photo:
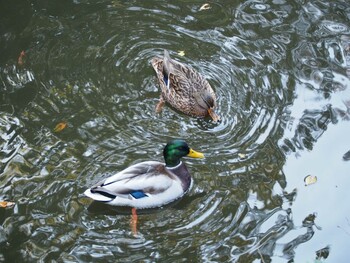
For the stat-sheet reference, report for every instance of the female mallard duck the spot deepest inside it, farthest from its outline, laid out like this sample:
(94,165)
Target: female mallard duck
(148,184)
(184,88)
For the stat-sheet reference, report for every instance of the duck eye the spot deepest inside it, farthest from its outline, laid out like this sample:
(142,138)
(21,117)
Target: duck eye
(184,149)
(209,101)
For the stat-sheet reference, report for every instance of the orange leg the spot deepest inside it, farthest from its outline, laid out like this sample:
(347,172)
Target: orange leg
(133,222)
(160,104)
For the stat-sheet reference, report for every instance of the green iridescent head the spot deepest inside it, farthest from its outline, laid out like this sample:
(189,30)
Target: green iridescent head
(175,150)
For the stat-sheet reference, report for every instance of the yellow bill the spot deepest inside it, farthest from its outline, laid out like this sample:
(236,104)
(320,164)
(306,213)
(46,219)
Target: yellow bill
(195,154)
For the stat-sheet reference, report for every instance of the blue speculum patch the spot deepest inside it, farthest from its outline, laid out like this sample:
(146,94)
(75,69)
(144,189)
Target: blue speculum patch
(166,80)
(137,194)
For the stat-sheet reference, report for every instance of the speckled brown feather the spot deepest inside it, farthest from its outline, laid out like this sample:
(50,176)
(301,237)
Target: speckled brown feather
(188,91)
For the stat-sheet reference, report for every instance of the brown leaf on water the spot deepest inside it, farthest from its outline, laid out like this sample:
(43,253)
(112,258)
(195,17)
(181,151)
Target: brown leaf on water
(5,204)
(60,126)
(205,7)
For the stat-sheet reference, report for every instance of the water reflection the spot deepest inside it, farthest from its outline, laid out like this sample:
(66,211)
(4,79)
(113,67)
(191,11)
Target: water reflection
(281,73)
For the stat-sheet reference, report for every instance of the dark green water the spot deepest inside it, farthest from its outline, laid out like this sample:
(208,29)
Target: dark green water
(281,71)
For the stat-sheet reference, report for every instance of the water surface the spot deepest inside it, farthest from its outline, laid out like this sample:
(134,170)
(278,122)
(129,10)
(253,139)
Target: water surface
(281,72)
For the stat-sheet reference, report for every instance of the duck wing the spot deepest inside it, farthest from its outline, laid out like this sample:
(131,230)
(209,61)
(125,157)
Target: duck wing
(177,76)
(136,181)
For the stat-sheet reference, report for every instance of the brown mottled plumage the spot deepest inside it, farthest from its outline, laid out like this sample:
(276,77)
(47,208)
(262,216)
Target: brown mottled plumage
(184,88)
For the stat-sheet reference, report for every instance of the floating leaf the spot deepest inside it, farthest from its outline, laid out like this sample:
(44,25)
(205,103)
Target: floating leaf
(310,179)
(242,155)
(59,127)
(5,204)
(205,7)
(181,53)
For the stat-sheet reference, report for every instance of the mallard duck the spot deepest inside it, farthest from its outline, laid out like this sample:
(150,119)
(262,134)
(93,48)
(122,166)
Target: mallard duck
(148,184)
(184,88)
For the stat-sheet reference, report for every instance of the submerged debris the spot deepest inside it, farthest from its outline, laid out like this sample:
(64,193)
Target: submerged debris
(322,253)
(346,156)
(21,58)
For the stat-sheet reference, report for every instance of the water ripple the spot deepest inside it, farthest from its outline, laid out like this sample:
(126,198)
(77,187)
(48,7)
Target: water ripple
(281,74)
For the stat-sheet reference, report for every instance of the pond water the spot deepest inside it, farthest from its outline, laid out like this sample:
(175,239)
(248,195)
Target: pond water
(281,72)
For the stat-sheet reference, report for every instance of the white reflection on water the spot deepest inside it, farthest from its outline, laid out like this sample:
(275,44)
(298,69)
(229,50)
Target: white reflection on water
(328,197)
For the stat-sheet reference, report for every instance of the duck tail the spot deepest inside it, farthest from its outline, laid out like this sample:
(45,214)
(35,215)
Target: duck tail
(166,63)
(100,194)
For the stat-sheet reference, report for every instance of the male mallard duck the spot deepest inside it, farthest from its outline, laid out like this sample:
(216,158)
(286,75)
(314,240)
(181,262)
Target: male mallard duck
(148,184)
(184,88)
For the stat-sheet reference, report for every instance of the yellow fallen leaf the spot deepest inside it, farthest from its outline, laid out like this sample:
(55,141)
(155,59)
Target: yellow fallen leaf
(59,127)
(181,53)
(310,179)
(5,204)
(205,7)
(242,155)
